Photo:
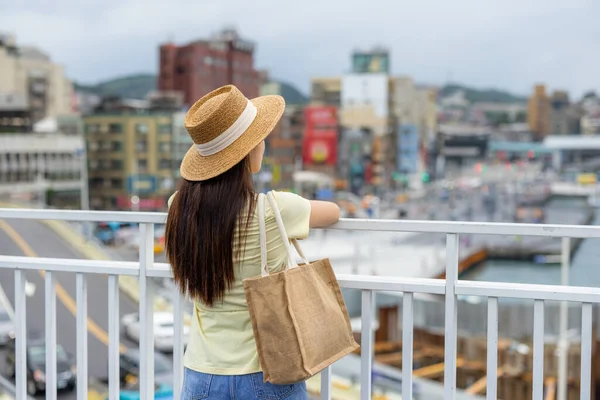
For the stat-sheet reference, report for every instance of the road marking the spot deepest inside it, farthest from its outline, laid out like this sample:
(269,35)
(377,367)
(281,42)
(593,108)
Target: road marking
(61,293)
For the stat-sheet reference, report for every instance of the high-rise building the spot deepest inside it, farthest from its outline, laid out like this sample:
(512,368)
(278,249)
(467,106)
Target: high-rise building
(283,153)
(201,66)
(42,165)
(130,160)
(15,116)
(538,113)
(30,73)
(326,91)
(559,113)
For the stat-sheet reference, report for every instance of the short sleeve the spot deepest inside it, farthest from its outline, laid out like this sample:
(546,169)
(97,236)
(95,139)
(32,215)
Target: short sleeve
(295,213)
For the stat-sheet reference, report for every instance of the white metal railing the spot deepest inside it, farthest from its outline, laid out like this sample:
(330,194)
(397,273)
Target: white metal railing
(451,287)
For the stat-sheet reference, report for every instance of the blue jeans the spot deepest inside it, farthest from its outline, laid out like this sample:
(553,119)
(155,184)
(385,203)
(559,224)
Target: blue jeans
(197,386)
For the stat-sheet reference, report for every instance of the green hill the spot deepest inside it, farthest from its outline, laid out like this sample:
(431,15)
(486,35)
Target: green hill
(482,95)
(291,94)
(131,87)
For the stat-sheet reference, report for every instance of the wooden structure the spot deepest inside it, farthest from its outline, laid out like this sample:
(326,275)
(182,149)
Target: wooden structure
(515,361)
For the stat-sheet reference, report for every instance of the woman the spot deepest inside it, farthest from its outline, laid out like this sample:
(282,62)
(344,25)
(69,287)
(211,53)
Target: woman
(212,242)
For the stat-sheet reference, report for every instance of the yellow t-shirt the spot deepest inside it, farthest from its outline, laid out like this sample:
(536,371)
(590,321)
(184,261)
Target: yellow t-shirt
(221,337)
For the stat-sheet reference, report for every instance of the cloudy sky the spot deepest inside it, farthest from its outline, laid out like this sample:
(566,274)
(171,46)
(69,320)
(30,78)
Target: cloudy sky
(508,44)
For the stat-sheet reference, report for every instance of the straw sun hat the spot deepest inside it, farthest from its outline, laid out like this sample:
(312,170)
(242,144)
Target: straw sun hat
(225,126)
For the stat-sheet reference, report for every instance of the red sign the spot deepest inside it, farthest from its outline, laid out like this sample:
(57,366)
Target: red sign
(320,135)
(144,204)
(324,117)
(320,147)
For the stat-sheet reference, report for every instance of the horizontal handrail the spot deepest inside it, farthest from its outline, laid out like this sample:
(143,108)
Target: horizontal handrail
(381,225)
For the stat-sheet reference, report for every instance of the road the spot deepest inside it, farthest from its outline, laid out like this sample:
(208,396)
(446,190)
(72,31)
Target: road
(19,237)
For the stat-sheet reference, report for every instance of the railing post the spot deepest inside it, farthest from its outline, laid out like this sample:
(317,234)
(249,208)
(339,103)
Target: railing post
(450,323)
(20,335)
(564,321)
(177,343)
(366,343)
(50,300)
(113,338)
(492,349)
(146,313)
(326,384)
(586,351)
(82,337)
(407,345)
(538,350)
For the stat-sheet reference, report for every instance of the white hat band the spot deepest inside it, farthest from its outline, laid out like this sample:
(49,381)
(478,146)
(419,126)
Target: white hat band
(226,138)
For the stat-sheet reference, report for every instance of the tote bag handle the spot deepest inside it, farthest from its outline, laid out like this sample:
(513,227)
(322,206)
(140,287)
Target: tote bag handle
(291,262)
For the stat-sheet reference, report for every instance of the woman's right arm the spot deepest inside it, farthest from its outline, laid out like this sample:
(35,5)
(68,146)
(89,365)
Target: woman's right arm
(323,213)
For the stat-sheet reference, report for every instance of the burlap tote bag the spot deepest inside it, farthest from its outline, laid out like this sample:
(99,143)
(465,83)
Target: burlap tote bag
(299,317)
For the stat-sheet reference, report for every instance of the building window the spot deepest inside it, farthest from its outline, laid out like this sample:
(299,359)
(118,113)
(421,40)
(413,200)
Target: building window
(116,165)
(141,145)
(116,183)
(164,163)
(115,128)
(142,165)
(92,146)
(92,128)
(93,164)
(164,147)
(141,129)
(164,128)
(117,146)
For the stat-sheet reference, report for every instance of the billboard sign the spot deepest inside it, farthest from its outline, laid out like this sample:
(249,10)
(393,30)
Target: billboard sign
(363,63)
(320,147)
(320,117)
(156,203)
(408,148)
(141,184)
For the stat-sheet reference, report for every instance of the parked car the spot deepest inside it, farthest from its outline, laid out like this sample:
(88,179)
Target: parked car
(36,365)
(163,330)
(130,367)
(7,327)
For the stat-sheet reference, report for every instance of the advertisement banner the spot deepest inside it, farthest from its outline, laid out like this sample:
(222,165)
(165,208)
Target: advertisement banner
(363,63)
(141,184)
(408,148)
(156,203)
(320,147)
(320,117)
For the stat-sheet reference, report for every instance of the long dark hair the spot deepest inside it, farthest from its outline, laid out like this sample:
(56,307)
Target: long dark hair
(199,238)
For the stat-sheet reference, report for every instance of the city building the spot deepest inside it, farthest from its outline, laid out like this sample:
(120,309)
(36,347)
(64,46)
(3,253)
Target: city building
(30,73)
(130,160)
(590,124)
(181,141)
(326,91)
(366,100)
(283,154)
(354,161)
(46,166)
(559,113)
(203,65)
(459,146)
(538,113)
(14,113)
